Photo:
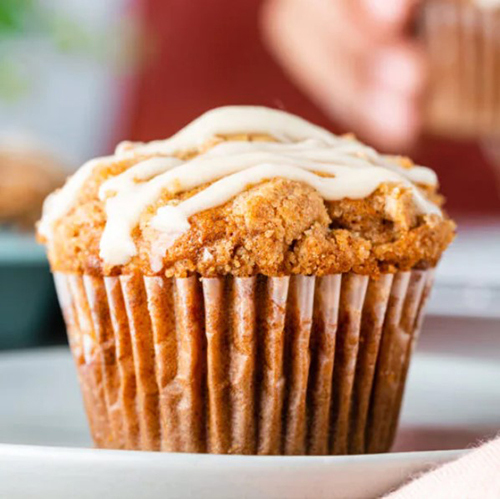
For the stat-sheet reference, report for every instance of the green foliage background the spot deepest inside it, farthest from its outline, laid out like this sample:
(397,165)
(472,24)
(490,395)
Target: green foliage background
(21,19)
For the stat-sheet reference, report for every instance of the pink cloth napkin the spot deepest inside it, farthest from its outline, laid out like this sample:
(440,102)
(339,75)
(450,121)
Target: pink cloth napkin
(474,476)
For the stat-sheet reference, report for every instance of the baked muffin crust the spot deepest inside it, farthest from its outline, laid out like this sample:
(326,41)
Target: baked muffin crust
(275,227)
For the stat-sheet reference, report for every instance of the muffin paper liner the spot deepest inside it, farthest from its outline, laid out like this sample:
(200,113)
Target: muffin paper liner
(463,47)
(256,365)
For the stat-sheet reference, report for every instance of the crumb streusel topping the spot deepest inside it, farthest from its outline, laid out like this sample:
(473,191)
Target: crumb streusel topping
(242,191)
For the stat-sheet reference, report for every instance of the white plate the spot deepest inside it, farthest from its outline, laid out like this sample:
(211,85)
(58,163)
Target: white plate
(465,286)
(45,450)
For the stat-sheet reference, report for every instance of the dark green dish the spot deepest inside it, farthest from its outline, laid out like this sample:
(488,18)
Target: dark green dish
(27,295)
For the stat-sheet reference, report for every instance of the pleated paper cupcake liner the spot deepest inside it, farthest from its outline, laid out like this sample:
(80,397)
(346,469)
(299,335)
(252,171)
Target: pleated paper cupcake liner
(257,365)
(463,46)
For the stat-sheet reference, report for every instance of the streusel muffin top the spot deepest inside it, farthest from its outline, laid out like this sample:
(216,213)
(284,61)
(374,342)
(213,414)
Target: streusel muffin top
(246,190)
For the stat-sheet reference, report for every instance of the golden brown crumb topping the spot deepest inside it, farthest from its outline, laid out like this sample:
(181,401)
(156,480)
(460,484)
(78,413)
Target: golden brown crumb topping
(277,227)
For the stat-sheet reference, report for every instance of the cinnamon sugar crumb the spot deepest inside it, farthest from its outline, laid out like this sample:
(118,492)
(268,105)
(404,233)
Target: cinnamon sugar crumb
(278,227)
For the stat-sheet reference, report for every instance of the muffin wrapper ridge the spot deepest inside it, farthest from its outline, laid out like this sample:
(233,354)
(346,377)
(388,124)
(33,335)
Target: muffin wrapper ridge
(463,46)
(256,365)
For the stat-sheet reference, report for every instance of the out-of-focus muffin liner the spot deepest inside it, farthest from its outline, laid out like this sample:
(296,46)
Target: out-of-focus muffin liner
(257,365)
(463,46)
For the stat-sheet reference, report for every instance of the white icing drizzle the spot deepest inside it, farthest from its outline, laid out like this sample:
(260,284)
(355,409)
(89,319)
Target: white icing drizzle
(233,120)
(174,219)
(61,201)
(348,153)
(143,171)
(304,150)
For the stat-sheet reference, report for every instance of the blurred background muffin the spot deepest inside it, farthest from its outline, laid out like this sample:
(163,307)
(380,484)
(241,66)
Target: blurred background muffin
(28,173)
(462,42)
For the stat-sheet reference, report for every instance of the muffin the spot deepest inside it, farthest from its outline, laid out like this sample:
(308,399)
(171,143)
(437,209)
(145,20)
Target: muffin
(252,285)
(462,40)
(28,173)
